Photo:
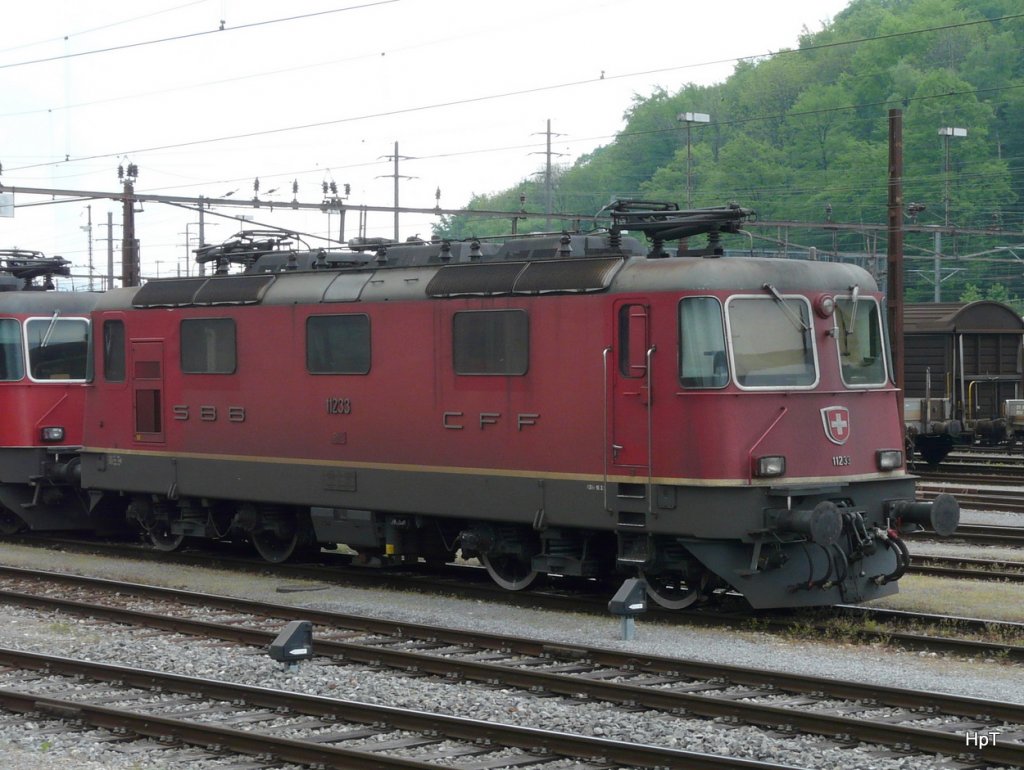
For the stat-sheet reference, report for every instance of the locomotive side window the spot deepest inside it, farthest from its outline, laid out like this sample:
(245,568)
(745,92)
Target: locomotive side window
(338,344)
(12,363)
(702,359)
(113,351)
(208,346)
(491,342)
(771,342)
(859,338)
(633,341)
(57,348)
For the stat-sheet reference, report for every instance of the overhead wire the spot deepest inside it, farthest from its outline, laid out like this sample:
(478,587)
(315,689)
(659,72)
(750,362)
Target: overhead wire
(539,89)
(111,25)
(569,84)
(189,35)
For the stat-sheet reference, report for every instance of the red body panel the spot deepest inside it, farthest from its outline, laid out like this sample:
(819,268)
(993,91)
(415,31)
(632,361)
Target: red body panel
(53,400)
(564,416)
(30,406)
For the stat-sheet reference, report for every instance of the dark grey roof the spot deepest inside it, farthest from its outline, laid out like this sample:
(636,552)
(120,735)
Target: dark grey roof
(948,317)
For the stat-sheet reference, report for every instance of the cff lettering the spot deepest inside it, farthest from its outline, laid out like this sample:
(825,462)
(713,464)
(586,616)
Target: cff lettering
(458,421)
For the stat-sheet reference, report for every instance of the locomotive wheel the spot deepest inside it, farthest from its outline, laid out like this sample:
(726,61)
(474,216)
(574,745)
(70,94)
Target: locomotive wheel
(670,591)
(512,573)
(161,536)
(10,522)
(274,548)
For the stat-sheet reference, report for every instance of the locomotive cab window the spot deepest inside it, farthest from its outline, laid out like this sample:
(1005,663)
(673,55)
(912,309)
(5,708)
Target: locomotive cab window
(338,344)
(57,348)
(113,351)
(12,361)
(633,341)
(860,341)
(702,359)
(208,346)
(771,342)
(491,342)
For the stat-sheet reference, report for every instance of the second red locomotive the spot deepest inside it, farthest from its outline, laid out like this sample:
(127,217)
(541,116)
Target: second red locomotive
(44,340)
(566,405)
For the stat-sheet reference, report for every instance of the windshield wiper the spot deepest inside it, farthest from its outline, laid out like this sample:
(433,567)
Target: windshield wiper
(49,329)
(854,292)
(798,322)
(850,325)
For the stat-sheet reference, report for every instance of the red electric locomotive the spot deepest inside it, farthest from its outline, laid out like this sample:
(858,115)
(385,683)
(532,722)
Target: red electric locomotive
(43,354)
(572,405)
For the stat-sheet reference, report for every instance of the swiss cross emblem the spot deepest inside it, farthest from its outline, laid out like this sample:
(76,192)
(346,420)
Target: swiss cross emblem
(836,420)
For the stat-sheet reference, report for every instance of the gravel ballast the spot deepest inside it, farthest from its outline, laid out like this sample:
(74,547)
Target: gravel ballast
(23,748)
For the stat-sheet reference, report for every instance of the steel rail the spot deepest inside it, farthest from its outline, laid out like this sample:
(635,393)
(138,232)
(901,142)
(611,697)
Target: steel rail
(557,744)
(967,569)
(389,627)
(575,601)
(567,684)
(979,533)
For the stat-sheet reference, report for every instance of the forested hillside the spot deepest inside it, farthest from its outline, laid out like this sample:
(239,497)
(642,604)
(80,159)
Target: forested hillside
(803,136)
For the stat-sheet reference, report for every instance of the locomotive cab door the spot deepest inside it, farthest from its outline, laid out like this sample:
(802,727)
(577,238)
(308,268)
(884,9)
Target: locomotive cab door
(628,373)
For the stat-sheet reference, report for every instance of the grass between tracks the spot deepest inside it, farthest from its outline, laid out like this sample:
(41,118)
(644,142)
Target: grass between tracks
(940,596)
(967,598)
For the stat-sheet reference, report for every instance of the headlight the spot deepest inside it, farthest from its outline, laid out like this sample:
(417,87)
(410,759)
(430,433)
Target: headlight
(889,459)
(52,433)
(825,305)
(772,465)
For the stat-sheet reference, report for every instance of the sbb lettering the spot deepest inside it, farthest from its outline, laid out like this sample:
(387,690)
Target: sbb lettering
(208,413)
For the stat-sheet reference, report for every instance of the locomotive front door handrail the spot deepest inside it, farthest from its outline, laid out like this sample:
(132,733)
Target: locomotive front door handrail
(650,427)
(607,438)
(649,356)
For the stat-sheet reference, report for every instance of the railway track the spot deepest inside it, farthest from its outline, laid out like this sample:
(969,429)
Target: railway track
(966,568)
(988,534)
(972,476)
(310,730)
(856,623)
(922,722)
(976,495)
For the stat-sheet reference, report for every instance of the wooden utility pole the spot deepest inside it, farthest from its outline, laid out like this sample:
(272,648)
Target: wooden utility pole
(894,283)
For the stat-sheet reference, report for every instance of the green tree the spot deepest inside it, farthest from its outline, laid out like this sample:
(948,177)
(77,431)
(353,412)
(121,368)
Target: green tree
(971,293)
(803,136)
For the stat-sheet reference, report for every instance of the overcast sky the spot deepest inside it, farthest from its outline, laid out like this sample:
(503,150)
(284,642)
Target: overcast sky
(315,90)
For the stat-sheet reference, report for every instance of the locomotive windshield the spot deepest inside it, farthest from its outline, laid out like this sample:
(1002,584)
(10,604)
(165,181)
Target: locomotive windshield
(57,348)
(771,342)
(859,337)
